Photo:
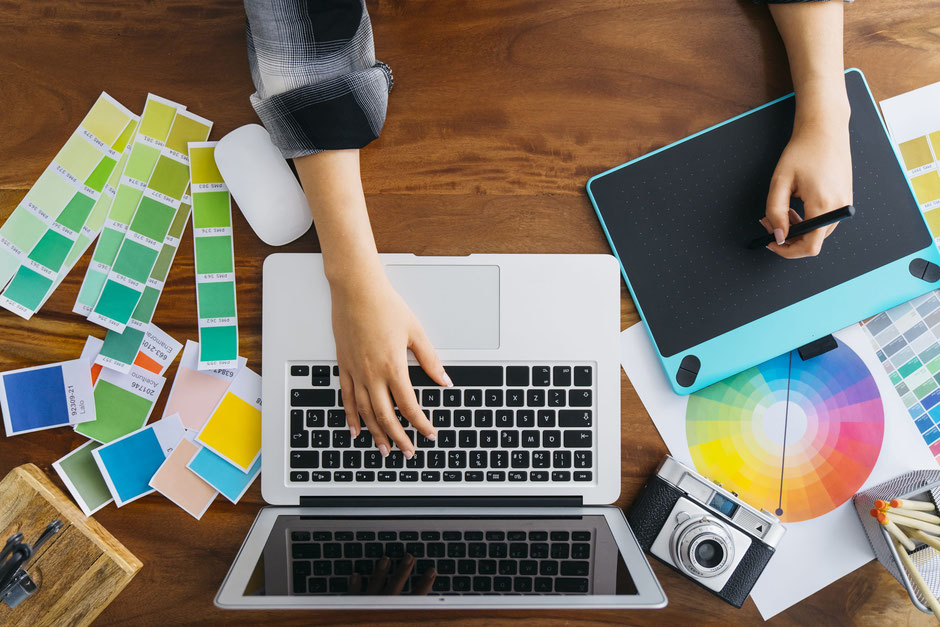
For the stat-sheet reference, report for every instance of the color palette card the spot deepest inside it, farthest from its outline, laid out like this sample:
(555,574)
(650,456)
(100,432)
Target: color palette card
(152,132)
(180,484)
(152,219)
(196,393)
(230,481)
(121,348)
(128,463)
(80,474)
(233,431)
(215,261)
(154,352)
(43,397)
(66,189)
(123,403)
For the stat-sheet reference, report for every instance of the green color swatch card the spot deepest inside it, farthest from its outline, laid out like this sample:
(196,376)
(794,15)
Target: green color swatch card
(80,474)
(144,151)
(38,236)
(155,214)
(215,261)
(123,403)
(120,349)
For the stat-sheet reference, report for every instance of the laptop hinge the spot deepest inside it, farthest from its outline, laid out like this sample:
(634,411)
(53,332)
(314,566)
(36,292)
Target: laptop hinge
(441,501)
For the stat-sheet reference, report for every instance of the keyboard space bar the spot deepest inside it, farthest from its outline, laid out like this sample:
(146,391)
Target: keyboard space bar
(462,376)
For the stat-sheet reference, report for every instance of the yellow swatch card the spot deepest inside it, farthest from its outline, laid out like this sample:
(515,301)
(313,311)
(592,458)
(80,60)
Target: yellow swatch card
(233,431)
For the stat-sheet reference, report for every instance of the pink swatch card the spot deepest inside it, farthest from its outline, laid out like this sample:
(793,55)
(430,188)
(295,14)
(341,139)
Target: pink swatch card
(180,484)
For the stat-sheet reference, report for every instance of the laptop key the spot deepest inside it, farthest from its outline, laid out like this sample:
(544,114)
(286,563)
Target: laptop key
(493,398)
(580,551)
(320,475)
(580,398)
(319,438)
(507,567)
(515,398)
(538,475)
(473,475)
(296,420)
(441,583)
(440,418)
(583,376)
(541,376)
(331,459)
(556,398)
(365,475)
(561,475)
(422,442)
(502,584)
(431,398)
(395,459)
(416,461)
(546,418)
(461,583)
(540,459)
(304,459)
(336,418)
(473,398)
(543,584)
(489,438)
(436,459)
(571,584)
(317,585)
(478,459)
(446,439)
(343,568)
(343,475)
(363,440)
(387,475)
(495,475)
(560,551)
(462,376)
(535,398)
(530,439)
(408,475)
(525,418)
(499,459)
(313,398)
(581,536)
(299,476)
(481,584)
(451,397)
(561,376)
(316,418)
(483,418)
(463,418)
(552,439)
(582,459)
(429,536)
(466,567)
(473,536)
(583,475)
(299,371)
(549,568)
(495,536)
(504,418)
(451,475)
(430,475)
(517,375)
(578,439)
(299,439)
(457,459)
(388,536)
(508,439)
(520,459)
(538,536)
(561,459)
(497,550)
(372,459)
(438,549)
(575,418)
(456,549)
(468,439)
(518,475)
(342,438)
(522,584)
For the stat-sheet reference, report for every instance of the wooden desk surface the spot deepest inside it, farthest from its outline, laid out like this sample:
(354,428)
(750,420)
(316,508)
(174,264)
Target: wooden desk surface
(501,111)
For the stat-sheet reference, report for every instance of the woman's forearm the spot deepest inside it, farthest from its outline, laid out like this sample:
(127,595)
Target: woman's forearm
(812,34)
(333,187)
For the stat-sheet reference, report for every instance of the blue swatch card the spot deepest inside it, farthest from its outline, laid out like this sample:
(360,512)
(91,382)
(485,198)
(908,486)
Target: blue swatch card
(128,463)
(43,397)
(229,480)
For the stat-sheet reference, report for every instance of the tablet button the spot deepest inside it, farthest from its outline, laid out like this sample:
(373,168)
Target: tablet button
(688,370)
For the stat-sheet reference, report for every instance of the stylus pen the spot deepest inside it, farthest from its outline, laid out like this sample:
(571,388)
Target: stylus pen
(804,227)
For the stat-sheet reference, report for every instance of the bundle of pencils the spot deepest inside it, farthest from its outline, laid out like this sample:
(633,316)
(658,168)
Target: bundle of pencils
(906,521)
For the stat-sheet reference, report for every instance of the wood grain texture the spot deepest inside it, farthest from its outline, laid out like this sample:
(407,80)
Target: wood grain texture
(501,111)
(79,570)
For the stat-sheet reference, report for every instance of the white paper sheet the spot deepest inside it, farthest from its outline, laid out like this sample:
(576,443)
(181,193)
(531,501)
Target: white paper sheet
(815,552)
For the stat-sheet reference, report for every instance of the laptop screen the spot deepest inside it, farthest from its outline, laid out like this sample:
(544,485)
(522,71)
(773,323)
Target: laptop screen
(380,556)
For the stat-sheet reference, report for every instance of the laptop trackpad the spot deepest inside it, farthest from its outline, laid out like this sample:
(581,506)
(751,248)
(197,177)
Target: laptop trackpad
(458,305)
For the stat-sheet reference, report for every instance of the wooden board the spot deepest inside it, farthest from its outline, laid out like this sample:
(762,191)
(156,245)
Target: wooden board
(79,570)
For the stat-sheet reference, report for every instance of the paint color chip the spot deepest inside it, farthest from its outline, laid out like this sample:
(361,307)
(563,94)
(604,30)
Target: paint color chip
(180,484)
(216,300)
(152,219)
(234,431)
(915,152)
(169,177)
(50,192)
(78,156)
(231,482)
(23,228)
(117,302)
(121,407)
(51,250)
(109,242)
(214,210)
(28,288)
(91,288)
(157,118)
(927,187)
(933,221)
(135,261)
(140,165)
(218,343)
(36,399)
(202,163)
(214,255)
(76,212)
(80,474)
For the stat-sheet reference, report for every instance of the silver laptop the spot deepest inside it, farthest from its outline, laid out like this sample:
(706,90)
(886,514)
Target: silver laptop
(509,506)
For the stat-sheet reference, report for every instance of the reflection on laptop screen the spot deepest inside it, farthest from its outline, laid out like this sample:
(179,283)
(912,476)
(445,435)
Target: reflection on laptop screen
(307,555)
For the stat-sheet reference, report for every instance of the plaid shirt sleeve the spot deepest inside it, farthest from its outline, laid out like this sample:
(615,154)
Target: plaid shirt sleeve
(319,86)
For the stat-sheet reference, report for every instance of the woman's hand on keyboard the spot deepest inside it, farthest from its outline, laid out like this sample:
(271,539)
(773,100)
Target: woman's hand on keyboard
(374,329)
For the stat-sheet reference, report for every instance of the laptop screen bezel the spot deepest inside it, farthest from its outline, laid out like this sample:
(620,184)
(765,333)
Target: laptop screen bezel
(231,593)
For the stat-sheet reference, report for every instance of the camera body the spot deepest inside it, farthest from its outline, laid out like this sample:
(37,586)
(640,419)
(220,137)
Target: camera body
(704,531)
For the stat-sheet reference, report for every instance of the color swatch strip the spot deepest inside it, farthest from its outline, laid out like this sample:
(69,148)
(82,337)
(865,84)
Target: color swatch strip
(921,157)
(151,223)
(151,136)
(80,474)
(215,261)
(40,231)
(121,348)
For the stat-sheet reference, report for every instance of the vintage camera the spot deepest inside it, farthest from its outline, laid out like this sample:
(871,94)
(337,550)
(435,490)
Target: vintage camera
(704,531)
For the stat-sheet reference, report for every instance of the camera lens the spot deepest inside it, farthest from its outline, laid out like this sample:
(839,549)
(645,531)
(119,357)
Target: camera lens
(709,554)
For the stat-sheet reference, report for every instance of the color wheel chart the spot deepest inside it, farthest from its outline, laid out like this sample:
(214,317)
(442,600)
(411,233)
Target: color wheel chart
(796,438)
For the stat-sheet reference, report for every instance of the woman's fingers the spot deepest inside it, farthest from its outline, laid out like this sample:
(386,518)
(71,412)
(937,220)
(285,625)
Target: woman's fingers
(778,205)
(388,421)
(364,403)
(424,585)
(427,357)
(408,406)
(379,575)
(348,391)
(397,582)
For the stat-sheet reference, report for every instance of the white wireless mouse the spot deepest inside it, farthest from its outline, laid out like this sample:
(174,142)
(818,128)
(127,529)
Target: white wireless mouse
(263,185)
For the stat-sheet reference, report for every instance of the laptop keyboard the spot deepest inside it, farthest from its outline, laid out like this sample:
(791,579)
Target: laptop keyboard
(467,561)
(499,424)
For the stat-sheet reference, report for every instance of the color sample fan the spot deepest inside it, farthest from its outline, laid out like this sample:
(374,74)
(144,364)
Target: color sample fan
(797,438)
